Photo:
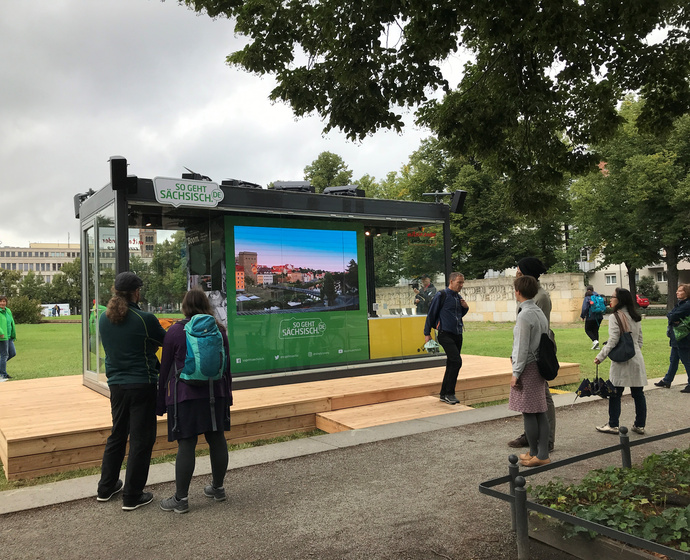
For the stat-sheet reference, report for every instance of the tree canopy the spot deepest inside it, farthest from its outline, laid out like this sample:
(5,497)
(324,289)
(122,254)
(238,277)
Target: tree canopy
(635,210)
(542,82)
(327,170)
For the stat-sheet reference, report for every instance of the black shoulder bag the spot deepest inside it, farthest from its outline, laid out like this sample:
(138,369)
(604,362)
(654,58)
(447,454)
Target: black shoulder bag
(625,349)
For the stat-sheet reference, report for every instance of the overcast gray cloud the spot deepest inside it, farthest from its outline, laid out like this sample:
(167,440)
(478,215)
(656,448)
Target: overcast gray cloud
(82,80)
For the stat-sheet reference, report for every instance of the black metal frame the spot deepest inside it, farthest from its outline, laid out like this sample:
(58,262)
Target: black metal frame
(520,505)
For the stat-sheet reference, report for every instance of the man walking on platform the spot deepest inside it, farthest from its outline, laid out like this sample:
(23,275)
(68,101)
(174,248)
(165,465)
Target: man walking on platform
(445,315)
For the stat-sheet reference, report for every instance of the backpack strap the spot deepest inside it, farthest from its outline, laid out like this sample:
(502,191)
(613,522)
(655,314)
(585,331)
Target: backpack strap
(177,378)
(212,403)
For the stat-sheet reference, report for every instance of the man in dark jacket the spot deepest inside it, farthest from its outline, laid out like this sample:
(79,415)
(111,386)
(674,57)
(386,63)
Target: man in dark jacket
(445,315)
(130,338)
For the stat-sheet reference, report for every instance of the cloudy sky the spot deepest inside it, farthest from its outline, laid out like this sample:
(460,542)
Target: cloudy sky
(82,80)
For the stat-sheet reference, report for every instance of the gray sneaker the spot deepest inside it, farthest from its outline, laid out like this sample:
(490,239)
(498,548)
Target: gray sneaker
(606,429)
(173,504)
(218,494)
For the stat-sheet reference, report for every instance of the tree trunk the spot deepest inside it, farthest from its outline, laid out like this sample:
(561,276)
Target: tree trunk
(632,285)
(672,275)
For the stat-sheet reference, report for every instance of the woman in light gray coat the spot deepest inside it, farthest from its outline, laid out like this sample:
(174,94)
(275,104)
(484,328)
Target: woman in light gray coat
(625,374)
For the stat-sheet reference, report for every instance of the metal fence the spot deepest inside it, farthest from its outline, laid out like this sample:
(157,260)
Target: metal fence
(520,505)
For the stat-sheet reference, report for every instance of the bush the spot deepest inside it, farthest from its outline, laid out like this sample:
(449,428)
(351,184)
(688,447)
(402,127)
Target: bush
(25,310)
(648,288)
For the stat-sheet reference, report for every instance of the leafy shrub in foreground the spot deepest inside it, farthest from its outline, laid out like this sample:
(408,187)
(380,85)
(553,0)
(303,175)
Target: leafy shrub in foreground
(651,501)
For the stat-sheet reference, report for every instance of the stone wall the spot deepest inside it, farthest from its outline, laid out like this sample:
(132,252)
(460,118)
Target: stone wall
(493,299)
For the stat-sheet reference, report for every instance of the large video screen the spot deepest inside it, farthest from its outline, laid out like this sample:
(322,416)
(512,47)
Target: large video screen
(299,297)
(293,270)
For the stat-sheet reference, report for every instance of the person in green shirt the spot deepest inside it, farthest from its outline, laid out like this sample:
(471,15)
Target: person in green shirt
(7,336)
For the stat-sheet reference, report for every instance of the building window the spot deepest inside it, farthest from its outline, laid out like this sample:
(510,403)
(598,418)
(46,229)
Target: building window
(14,266)
(31,266)
(611,279)
(662,276)
(47,279)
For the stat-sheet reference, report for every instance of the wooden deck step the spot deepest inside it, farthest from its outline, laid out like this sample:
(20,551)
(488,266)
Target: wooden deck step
(384,413)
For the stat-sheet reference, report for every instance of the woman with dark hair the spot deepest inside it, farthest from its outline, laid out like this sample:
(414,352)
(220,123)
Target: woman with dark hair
(632,373)
(680,349)
(189,408)
(527,386)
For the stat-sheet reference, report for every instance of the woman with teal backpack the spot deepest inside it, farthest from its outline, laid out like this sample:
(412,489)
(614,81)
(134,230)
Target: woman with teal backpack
(195,407)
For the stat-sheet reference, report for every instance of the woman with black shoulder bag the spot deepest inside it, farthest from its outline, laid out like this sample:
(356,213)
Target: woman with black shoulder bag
(625,340)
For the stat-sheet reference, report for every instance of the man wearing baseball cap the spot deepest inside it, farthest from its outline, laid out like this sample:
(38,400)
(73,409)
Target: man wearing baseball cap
(130,338)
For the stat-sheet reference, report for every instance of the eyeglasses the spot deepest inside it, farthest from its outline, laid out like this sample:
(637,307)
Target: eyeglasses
(614,297)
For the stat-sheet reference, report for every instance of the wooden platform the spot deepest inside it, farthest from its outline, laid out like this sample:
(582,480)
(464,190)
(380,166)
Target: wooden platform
(56,424)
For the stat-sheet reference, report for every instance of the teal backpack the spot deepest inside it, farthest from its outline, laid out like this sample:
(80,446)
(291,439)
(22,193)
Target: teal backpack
(205,361)
(597,304)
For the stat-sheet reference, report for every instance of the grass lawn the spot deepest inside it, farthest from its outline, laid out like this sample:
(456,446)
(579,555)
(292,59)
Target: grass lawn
(53,348)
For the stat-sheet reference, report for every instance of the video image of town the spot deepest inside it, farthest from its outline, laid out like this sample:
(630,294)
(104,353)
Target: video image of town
(291,270)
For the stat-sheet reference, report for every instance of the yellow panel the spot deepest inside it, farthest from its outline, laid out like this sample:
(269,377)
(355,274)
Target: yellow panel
(395,337)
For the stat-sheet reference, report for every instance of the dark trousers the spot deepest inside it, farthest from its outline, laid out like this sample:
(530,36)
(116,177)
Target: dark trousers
(681,355)
(186,458)
(452,345)
(134,415)
(592,329)
(640,407)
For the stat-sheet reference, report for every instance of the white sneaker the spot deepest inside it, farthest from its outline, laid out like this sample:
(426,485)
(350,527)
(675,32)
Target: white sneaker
(637,430)
(606,429)
(595,345)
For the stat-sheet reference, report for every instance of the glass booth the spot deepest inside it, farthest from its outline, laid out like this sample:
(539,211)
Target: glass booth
(309,285)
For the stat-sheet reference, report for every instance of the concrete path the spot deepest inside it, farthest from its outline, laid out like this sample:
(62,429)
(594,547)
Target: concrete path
(402,491)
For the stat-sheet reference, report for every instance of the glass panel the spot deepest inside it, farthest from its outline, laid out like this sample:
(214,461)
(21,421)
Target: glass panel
(403,259)
(104,277)
(92,340)
(161,262)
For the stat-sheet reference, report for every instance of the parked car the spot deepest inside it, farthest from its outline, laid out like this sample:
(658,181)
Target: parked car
(642,301)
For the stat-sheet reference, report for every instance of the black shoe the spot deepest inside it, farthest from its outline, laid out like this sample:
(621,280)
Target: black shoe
(145,498)
(663,384)
(450,399)
(105,496)
(520,441)
(685,389)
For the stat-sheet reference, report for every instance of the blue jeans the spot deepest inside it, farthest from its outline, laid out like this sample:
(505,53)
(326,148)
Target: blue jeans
(640,406)
(677,355)
(4,356)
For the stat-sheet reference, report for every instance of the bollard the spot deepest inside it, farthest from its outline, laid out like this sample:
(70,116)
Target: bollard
(513,472)
(626,458)
(521,522)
